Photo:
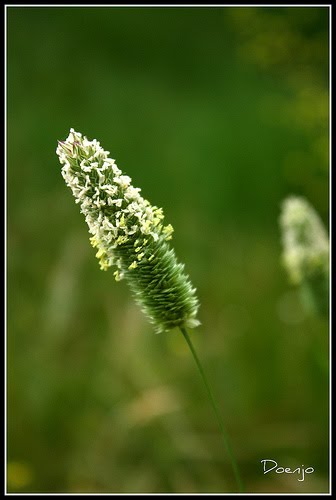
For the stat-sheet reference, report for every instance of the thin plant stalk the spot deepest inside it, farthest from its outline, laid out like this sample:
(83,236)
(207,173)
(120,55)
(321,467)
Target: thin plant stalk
(216,410)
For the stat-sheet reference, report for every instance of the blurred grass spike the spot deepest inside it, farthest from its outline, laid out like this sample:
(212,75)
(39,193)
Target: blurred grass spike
(128,233)
(306,253)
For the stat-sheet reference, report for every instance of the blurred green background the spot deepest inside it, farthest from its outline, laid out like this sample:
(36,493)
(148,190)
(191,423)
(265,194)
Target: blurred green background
(217,114)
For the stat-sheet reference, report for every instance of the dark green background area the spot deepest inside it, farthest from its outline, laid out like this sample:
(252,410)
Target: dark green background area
(217,114)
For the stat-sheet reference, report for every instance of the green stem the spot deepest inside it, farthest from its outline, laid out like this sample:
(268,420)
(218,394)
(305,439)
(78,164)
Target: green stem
(216,410)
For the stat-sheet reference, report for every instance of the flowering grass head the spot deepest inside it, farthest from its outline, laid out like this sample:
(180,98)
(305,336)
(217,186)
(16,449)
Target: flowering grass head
(306,251)
(128,233)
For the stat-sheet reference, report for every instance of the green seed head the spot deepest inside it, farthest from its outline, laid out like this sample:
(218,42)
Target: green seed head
(128,233)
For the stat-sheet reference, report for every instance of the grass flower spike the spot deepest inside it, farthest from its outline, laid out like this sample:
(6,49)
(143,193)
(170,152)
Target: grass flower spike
(128,233)
(306,252)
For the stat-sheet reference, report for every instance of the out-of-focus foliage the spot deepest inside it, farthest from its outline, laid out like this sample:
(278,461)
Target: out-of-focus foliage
(292,47)
(218,114)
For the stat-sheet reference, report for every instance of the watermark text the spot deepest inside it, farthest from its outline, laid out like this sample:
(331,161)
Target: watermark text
(270,465)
